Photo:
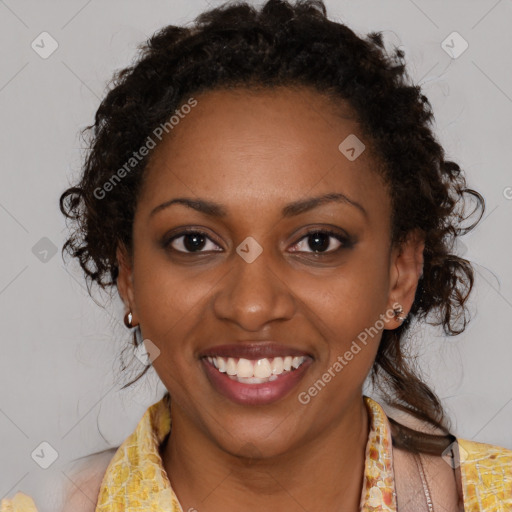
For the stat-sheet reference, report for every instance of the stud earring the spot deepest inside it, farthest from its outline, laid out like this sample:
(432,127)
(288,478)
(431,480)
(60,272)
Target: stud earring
(398,313)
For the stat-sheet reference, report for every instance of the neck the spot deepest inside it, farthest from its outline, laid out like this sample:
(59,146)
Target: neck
(324,473)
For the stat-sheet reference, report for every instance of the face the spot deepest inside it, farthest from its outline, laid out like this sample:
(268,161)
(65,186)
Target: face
(263,259)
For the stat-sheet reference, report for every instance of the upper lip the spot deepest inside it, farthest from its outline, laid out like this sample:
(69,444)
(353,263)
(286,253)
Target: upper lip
(253,350)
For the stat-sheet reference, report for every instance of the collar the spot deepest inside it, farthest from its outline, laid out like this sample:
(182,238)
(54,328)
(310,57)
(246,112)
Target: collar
(136,480)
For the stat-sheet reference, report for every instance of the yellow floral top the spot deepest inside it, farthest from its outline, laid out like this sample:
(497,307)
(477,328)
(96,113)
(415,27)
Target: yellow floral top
(136,481)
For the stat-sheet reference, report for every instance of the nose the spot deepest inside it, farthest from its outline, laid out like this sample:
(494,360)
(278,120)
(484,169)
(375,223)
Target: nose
(252,295)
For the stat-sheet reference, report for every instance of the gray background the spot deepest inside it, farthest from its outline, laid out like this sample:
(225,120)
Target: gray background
(60,373)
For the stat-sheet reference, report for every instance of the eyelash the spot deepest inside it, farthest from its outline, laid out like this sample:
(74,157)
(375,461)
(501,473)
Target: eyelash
(346,242)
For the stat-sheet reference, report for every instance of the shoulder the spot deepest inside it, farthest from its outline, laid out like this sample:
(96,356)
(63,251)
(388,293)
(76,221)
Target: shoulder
(475,457)
(481,459)
(20,502)
(475,449)
(486,472)
(84,481)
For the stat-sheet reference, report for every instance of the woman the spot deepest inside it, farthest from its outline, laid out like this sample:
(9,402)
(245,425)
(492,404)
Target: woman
(266,194)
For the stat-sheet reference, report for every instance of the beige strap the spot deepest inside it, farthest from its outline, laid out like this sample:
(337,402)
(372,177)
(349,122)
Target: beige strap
(426,483)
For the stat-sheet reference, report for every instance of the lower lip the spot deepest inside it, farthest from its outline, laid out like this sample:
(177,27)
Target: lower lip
(255,394)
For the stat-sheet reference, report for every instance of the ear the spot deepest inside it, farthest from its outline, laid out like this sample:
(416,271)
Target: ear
(125,280)
(406,268)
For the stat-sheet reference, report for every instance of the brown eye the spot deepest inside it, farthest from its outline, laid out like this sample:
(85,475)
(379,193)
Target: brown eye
(321,241)
(190,241)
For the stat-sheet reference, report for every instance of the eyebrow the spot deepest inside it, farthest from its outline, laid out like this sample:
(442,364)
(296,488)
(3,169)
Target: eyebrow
(297,207)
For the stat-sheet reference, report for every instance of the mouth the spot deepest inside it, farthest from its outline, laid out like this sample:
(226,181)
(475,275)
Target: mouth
(255,381)
(256,371)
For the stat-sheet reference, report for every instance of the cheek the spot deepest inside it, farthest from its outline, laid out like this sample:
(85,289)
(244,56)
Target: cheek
(172,302)
(161,300)
(167,305)
(351,295)
(346,309)
(169,309)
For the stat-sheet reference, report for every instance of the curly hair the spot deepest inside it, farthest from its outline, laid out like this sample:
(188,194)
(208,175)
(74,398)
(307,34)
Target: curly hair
(280,44)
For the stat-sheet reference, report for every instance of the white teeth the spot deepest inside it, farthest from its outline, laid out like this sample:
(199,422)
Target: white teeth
(249,380)
(221,364)
(256,371)
(277,366)
(244,368)
(231,366)
(262,369)
(297,362)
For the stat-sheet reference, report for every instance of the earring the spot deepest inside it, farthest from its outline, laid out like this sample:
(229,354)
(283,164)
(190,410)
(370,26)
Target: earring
(128,320)
(398,313)
(137,334)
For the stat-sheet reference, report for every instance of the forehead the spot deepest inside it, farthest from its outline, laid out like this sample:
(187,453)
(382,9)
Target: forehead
(246,143)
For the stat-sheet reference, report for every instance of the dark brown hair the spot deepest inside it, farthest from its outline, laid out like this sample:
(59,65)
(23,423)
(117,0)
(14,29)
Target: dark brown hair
(280,44)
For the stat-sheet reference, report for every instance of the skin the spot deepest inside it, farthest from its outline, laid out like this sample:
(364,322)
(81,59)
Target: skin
(254,153)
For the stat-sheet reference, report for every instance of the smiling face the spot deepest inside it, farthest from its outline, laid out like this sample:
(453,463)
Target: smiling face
(247,164)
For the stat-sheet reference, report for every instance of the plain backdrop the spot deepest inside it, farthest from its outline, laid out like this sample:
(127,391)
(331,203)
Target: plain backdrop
(60,362)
